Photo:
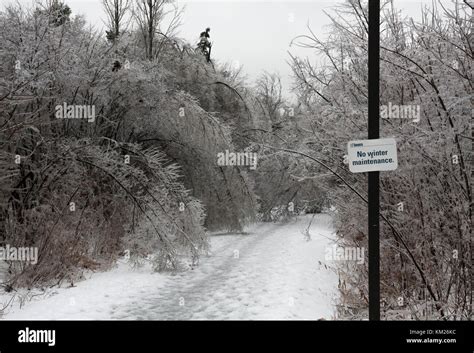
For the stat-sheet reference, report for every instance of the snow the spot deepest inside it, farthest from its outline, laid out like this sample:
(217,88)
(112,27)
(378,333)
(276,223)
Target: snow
(272,272)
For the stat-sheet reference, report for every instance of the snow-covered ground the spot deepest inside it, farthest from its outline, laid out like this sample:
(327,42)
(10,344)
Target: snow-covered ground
(272,272)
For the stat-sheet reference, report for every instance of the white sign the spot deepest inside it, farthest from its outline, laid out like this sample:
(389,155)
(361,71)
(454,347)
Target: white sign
(372,155)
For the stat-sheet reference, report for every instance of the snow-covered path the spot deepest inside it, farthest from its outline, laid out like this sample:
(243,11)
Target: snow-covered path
(272,272)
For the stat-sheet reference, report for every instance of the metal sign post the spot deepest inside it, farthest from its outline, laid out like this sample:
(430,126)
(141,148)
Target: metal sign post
(373,188)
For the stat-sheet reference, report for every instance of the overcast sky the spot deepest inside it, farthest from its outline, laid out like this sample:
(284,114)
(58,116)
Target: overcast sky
(252,33)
